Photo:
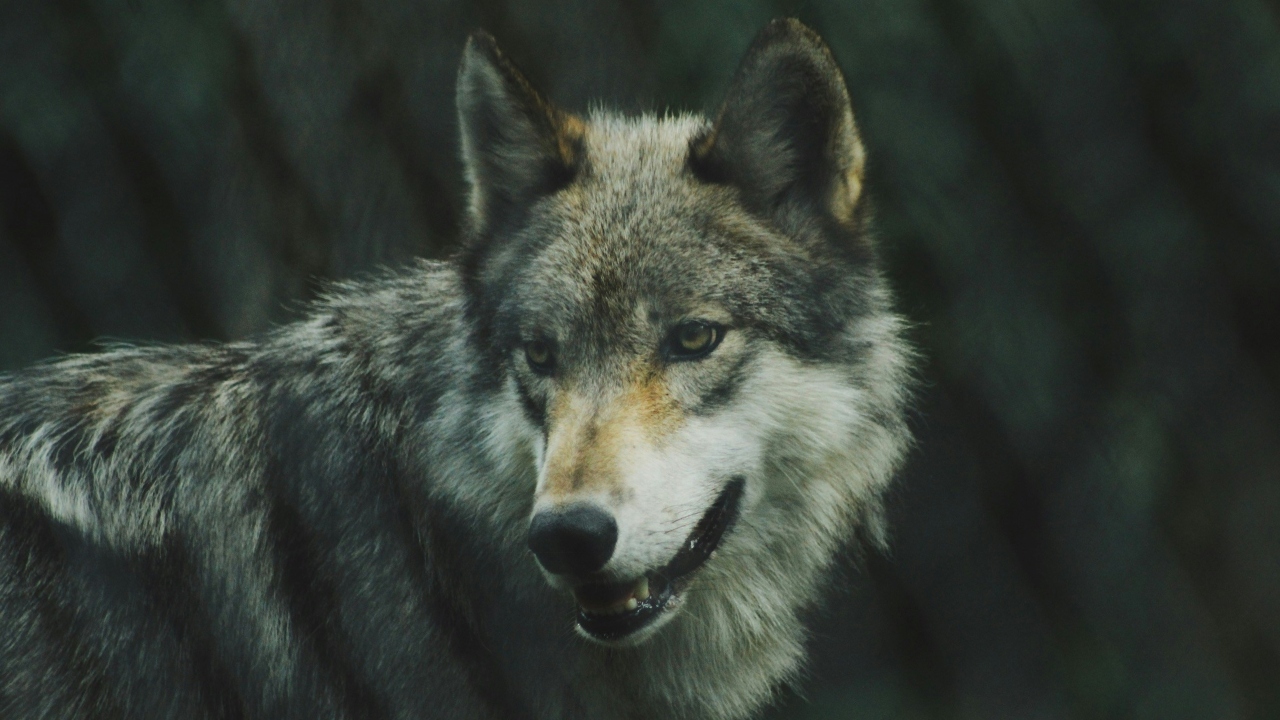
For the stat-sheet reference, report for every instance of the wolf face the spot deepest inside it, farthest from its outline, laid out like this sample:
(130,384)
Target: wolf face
(691,315)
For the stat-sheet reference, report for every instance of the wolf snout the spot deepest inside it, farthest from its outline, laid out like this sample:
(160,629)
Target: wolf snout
(574,540)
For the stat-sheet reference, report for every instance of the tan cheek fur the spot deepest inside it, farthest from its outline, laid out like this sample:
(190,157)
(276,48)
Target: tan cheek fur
(587,446)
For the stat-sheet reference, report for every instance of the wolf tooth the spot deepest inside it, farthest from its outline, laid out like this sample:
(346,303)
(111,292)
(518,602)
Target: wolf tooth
(657,391)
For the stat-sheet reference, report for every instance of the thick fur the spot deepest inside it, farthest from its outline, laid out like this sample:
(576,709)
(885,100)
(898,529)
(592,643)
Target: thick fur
(330,522)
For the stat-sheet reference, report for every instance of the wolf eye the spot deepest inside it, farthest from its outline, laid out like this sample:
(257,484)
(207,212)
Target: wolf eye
(693,340)
(538,354)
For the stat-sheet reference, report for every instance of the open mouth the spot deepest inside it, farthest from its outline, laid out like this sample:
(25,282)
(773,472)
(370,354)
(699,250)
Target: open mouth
(612,611)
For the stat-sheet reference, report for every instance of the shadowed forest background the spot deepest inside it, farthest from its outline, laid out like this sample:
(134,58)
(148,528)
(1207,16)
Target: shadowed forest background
(1078,201)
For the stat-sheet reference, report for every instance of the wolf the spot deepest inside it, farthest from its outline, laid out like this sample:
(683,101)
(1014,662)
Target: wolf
(597,465)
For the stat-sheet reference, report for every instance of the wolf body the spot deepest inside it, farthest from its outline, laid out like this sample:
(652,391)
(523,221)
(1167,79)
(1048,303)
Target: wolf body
(674,327)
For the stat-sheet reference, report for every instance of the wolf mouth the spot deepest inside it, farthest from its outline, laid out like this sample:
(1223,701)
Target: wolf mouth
(612,611)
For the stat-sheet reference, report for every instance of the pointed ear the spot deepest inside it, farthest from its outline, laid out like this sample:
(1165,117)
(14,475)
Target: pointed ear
(785,136)
(515,145)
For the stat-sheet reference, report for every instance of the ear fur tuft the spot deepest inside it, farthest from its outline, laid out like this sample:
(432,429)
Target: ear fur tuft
(516,146)
(785,135)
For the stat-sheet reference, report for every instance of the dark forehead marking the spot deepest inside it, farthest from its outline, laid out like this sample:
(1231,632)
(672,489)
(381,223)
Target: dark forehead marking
(611,298)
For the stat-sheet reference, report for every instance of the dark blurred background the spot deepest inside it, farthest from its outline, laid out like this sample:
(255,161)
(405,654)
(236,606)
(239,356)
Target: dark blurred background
(1079,201)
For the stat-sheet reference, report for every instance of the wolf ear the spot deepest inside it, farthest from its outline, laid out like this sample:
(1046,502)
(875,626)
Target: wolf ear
(785,136)
(515,145)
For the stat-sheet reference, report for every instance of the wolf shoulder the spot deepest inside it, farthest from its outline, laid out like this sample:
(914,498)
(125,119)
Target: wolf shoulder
(138,431)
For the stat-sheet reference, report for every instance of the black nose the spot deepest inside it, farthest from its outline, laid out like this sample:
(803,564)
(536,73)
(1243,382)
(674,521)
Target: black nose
(573,540)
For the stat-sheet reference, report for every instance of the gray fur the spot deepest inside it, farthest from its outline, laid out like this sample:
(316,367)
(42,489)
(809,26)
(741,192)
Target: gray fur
(329,522)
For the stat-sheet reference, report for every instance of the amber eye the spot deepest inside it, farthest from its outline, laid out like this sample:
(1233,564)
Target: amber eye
(538,353)
(695,339)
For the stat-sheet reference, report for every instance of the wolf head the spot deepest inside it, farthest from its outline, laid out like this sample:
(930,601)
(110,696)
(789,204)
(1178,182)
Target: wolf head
(691,316)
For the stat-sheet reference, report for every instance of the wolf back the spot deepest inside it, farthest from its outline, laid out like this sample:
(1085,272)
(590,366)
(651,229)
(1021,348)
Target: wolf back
(598,465)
